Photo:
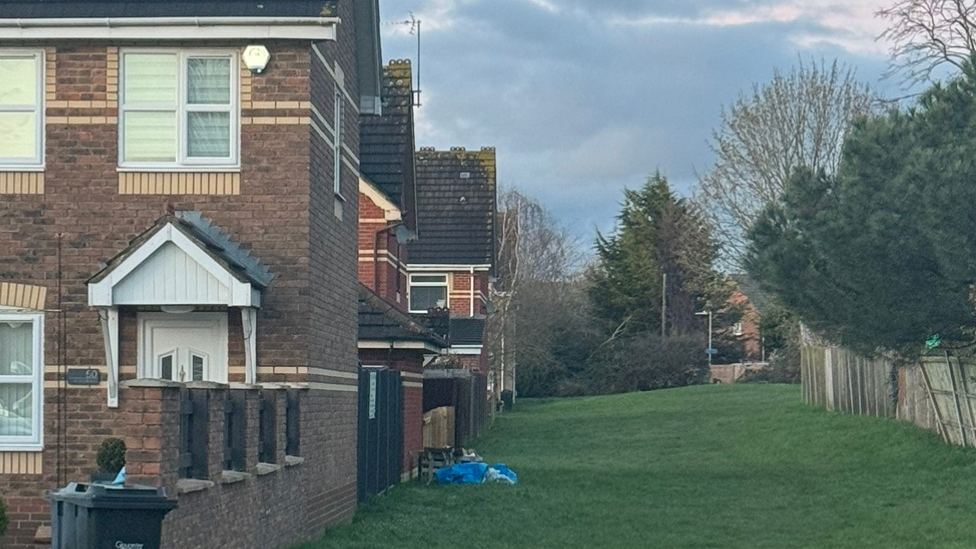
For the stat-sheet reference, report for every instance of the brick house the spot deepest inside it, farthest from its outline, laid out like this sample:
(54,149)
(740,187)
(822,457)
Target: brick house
(450,263)
(388,336)
(747,295)
(449,267)
(177,225)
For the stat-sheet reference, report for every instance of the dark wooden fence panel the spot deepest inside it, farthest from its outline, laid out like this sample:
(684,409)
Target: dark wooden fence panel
(267,427)
(194,433)
(380,430)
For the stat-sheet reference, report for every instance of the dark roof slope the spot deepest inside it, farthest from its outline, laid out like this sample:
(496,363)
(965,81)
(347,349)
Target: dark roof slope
(386,142)
(455,207)
(210,237)
(750,288)
(467,331)
(380,321)
(44,9)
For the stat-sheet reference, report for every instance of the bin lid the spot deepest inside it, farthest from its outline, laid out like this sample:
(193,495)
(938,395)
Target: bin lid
(109,496)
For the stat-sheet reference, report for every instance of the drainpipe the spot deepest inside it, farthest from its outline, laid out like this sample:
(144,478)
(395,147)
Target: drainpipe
(471,307)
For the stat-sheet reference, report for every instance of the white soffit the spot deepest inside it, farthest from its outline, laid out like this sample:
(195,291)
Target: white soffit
(390,210)
(171,28)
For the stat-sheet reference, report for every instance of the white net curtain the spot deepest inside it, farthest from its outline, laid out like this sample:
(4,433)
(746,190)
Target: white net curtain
(16,378)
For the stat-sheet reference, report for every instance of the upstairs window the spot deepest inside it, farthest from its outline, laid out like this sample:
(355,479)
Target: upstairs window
(427,291)
(21,374)
(21,99)
(179,109)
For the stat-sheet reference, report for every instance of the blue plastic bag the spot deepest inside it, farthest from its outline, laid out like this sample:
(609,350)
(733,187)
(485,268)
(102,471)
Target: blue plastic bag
(462,473)
(505,473)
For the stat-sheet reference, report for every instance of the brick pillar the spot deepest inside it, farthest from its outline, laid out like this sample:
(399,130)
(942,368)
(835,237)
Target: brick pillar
(150,413)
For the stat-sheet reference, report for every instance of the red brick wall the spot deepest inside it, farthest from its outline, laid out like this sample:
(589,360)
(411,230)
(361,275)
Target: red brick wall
(750,337)
(460,286)
(285,213)
(381,258)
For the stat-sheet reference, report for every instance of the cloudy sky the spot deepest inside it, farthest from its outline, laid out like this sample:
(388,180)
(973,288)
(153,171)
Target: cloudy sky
(583,98)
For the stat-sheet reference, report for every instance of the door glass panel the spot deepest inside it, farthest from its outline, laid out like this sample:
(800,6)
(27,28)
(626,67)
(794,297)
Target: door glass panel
(197,363)
(166,367)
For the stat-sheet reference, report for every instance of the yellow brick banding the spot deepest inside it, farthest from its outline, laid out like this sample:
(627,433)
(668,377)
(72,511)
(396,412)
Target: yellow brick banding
(21,182)
(276,120)
(213,184)
(22,296)
(50,74)
(21,463)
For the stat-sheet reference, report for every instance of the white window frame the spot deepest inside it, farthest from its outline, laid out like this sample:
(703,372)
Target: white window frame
(338,118)
(36,441)
(183,162)
(446,285)
(36,163)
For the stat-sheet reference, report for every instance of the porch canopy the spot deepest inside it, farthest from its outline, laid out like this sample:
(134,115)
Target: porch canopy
(183,260)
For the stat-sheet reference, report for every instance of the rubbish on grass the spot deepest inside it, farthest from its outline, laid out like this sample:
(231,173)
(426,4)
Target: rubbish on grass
(499,472)
(475,473)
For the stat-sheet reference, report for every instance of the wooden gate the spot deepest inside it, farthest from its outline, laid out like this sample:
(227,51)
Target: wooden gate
(380,430)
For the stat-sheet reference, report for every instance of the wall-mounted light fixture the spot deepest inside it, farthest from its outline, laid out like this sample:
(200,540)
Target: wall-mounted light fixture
(256,58)
(177,309)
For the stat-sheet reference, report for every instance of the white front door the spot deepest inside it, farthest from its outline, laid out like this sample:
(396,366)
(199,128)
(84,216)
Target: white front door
(183,347)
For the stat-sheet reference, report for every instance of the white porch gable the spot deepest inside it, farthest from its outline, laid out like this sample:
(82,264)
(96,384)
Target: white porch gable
(171,269)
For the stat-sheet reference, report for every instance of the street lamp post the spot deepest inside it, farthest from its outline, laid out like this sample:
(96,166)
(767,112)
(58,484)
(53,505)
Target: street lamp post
(710,351)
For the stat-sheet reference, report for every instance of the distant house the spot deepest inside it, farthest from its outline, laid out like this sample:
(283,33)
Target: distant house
(389,338)
(747,294)
(449,266)
(178,224)
(450,263)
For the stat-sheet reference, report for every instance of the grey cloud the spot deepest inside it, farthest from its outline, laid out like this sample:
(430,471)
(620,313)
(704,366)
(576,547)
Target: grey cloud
(579,110)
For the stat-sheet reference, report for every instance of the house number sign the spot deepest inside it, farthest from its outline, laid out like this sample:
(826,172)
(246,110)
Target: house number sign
(372,395)
(84,376)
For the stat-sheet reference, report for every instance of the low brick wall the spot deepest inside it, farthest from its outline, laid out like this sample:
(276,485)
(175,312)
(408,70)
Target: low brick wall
(278,503)
(730,373)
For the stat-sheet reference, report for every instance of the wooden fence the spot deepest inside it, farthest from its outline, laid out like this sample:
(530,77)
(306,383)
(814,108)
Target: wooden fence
(938,393)
(439,427)
(838,379)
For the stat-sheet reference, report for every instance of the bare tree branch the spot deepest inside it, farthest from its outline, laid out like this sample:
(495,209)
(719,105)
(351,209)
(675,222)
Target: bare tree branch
(926,34)
(798,119)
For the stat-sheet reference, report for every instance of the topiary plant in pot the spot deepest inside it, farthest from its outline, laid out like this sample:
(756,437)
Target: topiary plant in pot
(110,459)
(3,517)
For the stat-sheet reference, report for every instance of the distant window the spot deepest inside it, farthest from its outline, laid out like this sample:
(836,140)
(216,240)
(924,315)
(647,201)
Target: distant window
(178,109)
(427,291)
(737,328)
(21,374)
(21,113)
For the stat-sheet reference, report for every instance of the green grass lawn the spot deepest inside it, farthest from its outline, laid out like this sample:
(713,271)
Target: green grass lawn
(714,466)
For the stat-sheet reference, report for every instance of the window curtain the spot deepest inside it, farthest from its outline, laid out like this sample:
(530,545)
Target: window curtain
(208,107)
(425,297)
(16,377)
(150,98)
(18,108)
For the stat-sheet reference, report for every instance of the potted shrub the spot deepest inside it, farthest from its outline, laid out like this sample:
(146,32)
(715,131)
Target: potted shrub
(3,517)
(110,459)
